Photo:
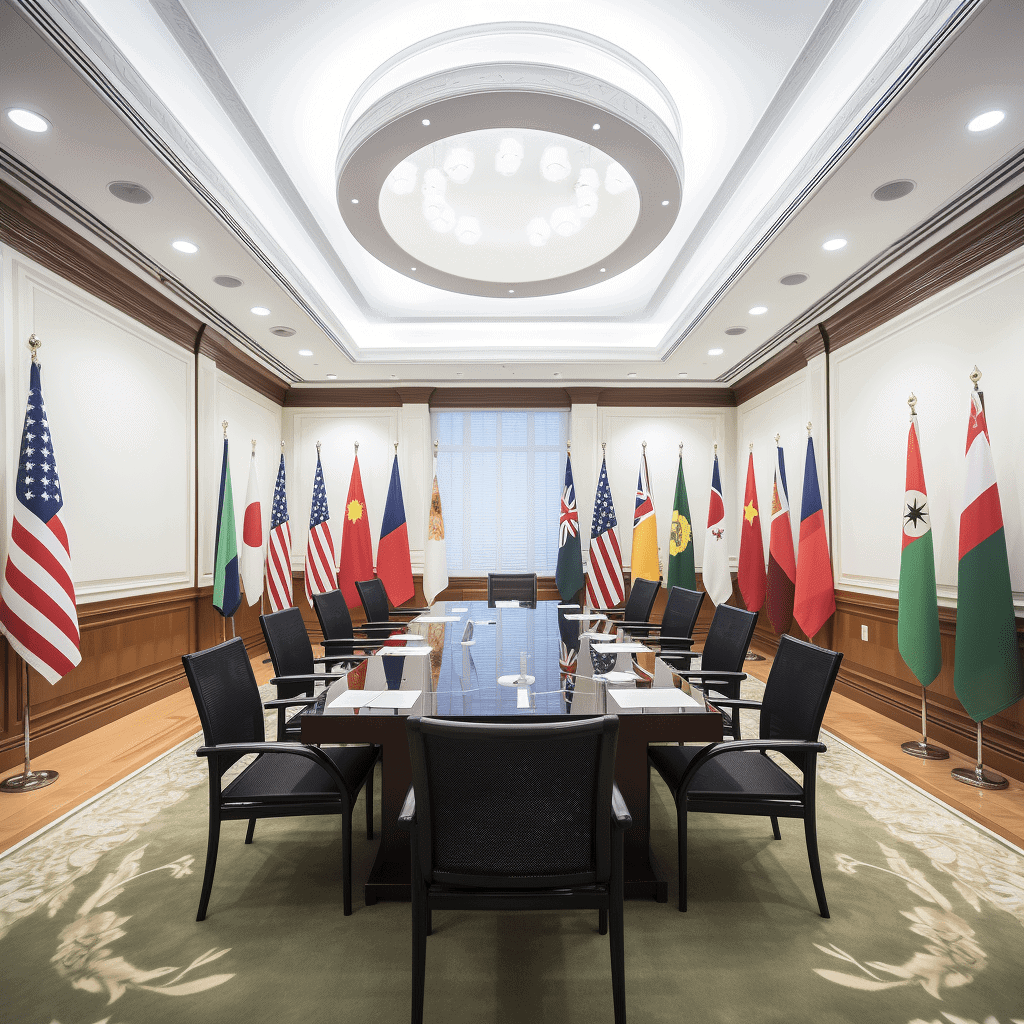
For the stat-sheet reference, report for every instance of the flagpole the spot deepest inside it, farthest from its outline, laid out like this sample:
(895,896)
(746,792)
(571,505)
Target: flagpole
(979,776)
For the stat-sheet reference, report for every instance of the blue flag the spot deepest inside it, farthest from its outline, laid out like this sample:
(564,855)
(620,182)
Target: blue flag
(569,571)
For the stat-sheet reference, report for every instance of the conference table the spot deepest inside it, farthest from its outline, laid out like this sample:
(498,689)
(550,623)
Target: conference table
(467,660)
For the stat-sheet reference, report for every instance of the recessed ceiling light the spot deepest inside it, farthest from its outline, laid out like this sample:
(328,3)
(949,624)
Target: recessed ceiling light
(682,374)
(413,269)
(305,351)
(260,311)
(227,281)
(664,202)
(187,247)
(596,127)
(981,123)
(426,121)
(833,244)
(28,120)
(631,374)
(893,190)
(511,291)
(130,192)
(602,270)
(735,330)
(332,376)
(355,202)
(715,351)
(792,279)
(283,332)
(757,310)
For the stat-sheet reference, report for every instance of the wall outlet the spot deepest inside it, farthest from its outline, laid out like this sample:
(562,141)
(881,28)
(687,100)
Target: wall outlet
(863,631)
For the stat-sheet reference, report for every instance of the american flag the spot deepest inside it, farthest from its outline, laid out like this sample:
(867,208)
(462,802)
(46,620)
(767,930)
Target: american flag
(37,597)
(279,550)
(605,585)
(320,572)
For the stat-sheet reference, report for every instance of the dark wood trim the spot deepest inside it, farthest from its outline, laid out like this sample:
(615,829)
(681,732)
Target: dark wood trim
(342,397)
(671,397)
(241,366)
(500,398)
(415,396)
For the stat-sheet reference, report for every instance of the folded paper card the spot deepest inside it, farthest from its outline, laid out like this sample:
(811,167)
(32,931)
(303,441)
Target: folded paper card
(659,697)
(396,698)
(613,648)
(353,699)
(437,618)
(417,650)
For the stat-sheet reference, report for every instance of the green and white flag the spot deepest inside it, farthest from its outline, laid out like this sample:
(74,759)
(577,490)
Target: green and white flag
(681,572)
(918,616)
(227,592)
(987,676)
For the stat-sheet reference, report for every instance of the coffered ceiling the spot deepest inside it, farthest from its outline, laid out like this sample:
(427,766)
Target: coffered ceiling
(513,191)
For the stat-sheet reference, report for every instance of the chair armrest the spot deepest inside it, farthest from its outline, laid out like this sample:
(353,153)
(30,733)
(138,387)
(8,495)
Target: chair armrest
(688,640)
(710,673)
(728,702)
(291,702)
(350,645)
(314,754)
(621,818)
(315,677)
(713,750)
(407,815)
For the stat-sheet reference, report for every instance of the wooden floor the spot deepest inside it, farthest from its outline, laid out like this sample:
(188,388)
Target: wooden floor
(89,765)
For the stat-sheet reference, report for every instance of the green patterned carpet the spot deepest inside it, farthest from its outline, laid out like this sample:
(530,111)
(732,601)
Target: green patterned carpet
(97,922)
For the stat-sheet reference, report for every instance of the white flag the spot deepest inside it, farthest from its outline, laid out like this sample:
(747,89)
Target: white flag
(251,567)
(715,570)
(435,557)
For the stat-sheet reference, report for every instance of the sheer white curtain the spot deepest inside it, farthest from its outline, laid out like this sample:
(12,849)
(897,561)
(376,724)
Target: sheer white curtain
(500,473)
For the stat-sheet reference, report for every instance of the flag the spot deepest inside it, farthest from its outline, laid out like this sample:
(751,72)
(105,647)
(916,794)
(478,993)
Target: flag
(814,597)
(751,576)
(643,561)
(986,675)
(681,571)
(319,568)
(605,586)
(279,548)
(715,570)
(394,563)
(569,569)
(356,561)
(252,539)
(781,560)
(227,593)
(435,556)
(37,596)
(918,613)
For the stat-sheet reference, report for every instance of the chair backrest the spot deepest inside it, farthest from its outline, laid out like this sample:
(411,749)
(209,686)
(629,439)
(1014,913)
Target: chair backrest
(289,647)
(641,599)
(332,612)
(797,692)
(681,611)
(517,806)
(512,586)
(375,600)
(227,698)
(728,639)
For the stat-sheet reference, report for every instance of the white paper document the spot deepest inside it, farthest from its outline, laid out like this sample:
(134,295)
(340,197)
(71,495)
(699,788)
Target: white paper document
(420,650)
(437,618)
(659,697)
(396,698)
(405,636)
(592,617)
(506,604)
(566,607)
(460,609)
(522,697)
(614,648)
(617,677)
(353,699)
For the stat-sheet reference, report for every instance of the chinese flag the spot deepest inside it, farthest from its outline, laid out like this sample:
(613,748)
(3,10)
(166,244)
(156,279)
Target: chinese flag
(751,576)
(356,547)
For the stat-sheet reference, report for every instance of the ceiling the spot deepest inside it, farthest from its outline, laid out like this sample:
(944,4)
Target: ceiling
(773,123)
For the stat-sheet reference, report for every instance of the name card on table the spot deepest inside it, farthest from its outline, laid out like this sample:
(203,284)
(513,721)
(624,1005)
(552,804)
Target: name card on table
(420,650)
(437,618)
(506,604)
(354,699)
(662,697)
(592,617)
(614,648)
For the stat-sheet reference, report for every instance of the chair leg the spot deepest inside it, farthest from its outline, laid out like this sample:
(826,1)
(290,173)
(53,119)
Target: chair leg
(811,835)
(420,925)
(775,827)
(616,938)
(430,922)
(681,838)
(249,831)
(212,844)
(346,860)
(602,922)
(368,793)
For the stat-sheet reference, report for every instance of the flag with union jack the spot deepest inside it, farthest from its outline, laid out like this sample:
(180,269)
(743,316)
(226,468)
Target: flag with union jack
(279,548)
(320,572)
(37,596)
(605,586)
(644,562)
(569,570)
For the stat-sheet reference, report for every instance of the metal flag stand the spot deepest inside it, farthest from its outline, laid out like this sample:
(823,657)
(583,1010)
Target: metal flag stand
(29,780)
(922,748)
(979,776)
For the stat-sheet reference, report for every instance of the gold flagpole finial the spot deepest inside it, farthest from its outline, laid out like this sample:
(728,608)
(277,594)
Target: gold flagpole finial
(604,448)
(975,376)
(751,447)
(808,428)
(436,443)
(645,447)
(35,344)
(396,449)
(568,447)
(282,447)
(680,449)
(912,402)
(224,424)
(318,449)
(778,438)
(716,449)
(357,447)
(254,446)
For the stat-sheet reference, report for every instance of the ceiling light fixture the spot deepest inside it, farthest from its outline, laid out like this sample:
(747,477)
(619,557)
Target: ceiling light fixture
(509,157)
(596,127)
(732,331)
(511,291)
(332,376)
(130,192)
(715,351)
(757,310)
(459,165)
(413,269)
(186,247)
(355,202)
(616,179)
(445,219)
(981,123)
(566,221)
(283,332)
(260,311)
(555,164)
(834,244)
(894,190)
(632,373)
(664,202)
(28,120)
(602,270)
(305,351)
(586,192)
(683,373)
(402,180)
(538,231)
(467,231)
(793,279)
(434,183)
(227,281)
(425,122)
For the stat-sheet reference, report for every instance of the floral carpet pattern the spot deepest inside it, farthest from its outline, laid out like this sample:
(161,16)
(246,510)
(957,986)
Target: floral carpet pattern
(97,921)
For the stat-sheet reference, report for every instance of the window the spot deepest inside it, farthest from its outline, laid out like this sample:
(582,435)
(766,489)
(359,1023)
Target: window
(500,475)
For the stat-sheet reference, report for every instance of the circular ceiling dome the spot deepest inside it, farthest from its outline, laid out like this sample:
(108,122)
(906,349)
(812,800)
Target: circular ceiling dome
(509,180)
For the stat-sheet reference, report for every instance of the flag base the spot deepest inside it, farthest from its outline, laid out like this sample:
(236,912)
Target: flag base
(751,656)
(26,782)
(928,751)
(980,778)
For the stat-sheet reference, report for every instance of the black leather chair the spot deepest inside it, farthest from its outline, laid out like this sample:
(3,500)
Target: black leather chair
(637,612)
(674,636)
(512,586)
(340,643)
(375,603)
(738,777)
(285,779)
(294,667)
(515,817)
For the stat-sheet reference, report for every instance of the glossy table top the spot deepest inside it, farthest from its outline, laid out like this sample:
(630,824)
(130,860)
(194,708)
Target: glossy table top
(471,667)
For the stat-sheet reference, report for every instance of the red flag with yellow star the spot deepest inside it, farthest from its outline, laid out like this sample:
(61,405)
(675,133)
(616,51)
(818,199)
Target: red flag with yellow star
(751,576)
(356,561)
